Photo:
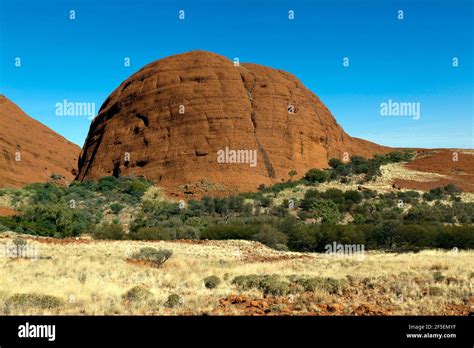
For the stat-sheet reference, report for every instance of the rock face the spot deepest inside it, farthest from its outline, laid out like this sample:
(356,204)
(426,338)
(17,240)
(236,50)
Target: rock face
(30,151)
(171,120)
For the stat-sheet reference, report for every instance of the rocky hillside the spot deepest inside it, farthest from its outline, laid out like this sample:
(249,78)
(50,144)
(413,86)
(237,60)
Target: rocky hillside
(30,151)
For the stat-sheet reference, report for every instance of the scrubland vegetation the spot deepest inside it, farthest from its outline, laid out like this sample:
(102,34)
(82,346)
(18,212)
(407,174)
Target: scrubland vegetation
(119,246)
(307,221)
(90,277)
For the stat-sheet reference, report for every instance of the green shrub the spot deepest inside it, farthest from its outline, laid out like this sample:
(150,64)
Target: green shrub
(247,282)
(435,291)
(330,285)
(116,208)
(325,210)
(316,176)
(174,300)
(111,231)
(211,282)
(271,237)
(28,300)
(438,277)
(135,187)
(107,183)
(452,189)
(273,285)
(53,219)
(268,284)
(153,256)
(153,233)
(235,230)
(44,193)
(187,232)
(138,294)
(353,196)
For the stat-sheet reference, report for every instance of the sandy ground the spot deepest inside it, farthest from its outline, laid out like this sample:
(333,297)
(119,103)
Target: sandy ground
(90,277)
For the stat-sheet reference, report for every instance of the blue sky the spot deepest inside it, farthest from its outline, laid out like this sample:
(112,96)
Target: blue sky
(407,60)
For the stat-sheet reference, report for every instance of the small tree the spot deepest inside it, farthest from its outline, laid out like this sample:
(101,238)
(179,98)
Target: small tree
(153,256)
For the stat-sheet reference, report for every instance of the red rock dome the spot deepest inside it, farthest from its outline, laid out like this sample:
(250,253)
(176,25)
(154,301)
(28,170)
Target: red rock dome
(177,119)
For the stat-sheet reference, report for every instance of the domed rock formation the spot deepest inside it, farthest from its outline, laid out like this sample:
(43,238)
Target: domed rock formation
(31,152)
(196,117)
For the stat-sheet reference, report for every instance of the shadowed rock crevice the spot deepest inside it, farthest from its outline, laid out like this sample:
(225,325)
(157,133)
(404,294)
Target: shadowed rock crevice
(253,118)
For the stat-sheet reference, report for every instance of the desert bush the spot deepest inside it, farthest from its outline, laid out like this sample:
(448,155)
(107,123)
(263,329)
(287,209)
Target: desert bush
(330,285)
(246,282)
(152,233)
(116,208)
(107,183)
(44,193)
(174,300)
(235,230)
(273,285)
(135,187)
(268,284)
(353,196)
(187,232)
(435,291)
(369,167)
(271,237)
(438,277)
(408,196)
(138,293)
(316,176)
(212,282)
(326,211)
(112,231)
(33,300)
(433,194)
(153,256)
(53,219)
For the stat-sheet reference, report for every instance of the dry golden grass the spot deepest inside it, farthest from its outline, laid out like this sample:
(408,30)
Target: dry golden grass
(91,277)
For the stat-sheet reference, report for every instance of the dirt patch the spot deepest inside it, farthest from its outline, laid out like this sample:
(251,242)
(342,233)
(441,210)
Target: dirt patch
(4,211)
(244,305)
(456,167)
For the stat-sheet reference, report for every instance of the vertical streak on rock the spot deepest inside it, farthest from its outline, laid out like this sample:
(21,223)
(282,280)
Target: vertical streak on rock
(261,149)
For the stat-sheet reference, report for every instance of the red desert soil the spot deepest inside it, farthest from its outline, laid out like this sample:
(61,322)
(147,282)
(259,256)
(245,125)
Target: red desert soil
(306,305)
(42,151)
(168,121)
(7,212)
(440,161)
(245,305)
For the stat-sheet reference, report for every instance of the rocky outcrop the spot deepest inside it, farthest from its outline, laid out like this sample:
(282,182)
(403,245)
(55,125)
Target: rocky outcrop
(30,151)
(177,119)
